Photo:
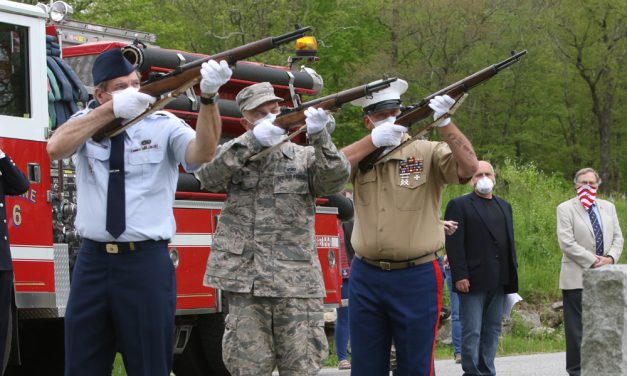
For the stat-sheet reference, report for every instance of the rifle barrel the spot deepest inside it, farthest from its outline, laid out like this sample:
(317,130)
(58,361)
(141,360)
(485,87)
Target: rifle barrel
(475,79)
(295,116)
(192,69)
(288,37)
(421,110)
(346,95)
(511,60)
(188,74)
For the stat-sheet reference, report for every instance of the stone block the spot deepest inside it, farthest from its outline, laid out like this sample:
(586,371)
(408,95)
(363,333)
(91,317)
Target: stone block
(604,308)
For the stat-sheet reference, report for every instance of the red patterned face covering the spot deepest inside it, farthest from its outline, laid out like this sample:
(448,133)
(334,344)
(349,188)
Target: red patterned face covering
(587,194)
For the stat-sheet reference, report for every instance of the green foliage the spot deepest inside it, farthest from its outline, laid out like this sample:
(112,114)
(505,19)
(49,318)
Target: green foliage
(534,198)
(518,341)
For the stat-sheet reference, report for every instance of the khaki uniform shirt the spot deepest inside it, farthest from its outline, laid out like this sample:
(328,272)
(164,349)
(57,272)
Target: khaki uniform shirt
(265,241)
(397,203)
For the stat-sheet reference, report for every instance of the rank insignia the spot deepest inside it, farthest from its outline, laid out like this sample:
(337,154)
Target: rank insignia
(410,168)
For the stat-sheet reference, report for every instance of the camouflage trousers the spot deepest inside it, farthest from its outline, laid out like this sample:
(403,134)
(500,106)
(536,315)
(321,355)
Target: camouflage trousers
(262,333)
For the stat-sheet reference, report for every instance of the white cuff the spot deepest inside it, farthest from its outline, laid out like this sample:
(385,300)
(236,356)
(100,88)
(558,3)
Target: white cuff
(444,122)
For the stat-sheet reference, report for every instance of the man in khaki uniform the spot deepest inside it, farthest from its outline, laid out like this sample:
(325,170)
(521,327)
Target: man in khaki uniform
(396,281)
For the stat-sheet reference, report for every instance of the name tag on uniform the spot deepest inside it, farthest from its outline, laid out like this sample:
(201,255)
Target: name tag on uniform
(145,145)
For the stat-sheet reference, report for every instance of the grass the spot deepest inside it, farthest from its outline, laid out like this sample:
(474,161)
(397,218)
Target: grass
(118,367)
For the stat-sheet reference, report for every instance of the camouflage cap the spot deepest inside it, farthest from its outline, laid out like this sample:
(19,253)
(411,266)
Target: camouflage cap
(255,95)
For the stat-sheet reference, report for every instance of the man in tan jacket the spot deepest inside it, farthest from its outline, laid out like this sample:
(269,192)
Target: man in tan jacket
(590,237)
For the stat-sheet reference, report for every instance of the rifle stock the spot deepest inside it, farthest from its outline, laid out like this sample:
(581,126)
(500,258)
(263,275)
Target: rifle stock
(187,75)
(421,110)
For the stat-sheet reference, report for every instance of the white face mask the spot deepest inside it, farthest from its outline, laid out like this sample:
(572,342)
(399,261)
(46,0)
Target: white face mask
(389,119)
(130,89)
(484,185)
(270,116)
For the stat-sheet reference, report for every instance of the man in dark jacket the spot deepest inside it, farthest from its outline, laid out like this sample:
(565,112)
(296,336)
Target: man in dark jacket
(12,182)
(483,263)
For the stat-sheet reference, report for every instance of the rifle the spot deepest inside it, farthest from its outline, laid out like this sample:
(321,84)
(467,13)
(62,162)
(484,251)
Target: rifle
(421,110)
(177,81)
(290,118)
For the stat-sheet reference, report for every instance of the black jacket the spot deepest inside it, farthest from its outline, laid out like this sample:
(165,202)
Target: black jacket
(12,182)
(472,250)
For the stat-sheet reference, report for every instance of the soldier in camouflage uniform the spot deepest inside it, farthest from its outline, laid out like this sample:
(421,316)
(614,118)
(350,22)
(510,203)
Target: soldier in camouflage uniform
(264,253)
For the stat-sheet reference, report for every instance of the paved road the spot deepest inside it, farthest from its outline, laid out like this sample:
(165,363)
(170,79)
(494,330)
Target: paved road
(547,364)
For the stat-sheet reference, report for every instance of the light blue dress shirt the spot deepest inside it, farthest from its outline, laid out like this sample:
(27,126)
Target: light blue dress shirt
(595,209)
(153,150)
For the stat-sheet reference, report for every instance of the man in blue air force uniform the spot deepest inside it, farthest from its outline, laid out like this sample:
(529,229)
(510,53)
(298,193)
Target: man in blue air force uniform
(123,293)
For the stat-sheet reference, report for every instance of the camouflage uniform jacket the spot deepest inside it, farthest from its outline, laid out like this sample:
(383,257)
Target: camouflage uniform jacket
(265,242)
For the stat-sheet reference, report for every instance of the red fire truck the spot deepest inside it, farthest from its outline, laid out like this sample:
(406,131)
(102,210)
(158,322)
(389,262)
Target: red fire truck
(41,225)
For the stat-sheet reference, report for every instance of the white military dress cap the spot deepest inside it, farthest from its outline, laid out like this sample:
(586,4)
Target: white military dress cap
(391,94)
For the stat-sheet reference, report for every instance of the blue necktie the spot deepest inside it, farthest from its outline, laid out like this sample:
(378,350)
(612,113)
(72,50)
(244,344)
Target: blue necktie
(116,197)
(598,234)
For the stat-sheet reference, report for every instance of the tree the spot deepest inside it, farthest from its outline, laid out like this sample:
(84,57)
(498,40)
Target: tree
(591,37)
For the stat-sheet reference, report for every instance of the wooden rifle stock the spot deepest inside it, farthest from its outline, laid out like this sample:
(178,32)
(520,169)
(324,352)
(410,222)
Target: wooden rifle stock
(421,110)
(187,75)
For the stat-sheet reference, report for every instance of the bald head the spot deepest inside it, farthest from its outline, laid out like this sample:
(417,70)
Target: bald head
(485,170)
(484,167)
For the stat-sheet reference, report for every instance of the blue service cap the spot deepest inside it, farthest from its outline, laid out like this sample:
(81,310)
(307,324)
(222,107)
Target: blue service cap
(109,65)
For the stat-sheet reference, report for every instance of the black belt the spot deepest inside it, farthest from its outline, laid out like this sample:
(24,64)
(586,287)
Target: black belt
(397,265)
(115,248)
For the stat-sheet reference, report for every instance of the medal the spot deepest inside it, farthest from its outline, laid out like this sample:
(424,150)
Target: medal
(409,168)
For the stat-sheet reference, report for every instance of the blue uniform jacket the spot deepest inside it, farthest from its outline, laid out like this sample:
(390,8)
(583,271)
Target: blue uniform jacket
(12,182)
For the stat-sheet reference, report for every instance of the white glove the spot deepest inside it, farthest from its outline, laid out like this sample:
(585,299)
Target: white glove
(267,133)
(130,103)
(388,134)
(317,118)
(440,105)
(214,75)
